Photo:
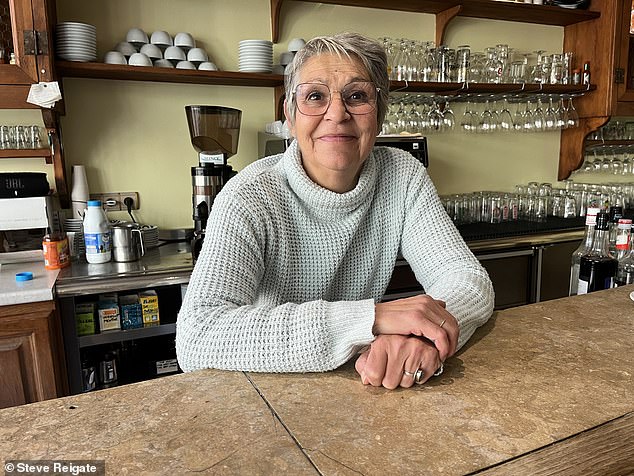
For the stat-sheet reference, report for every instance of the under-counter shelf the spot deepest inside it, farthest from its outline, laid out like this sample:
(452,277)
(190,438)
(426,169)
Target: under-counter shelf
(445,10)
(109,337)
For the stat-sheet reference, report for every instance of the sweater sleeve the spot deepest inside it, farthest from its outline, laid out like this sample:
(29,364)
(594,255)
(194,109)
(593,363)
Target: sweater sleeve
(220,325)
(441,260)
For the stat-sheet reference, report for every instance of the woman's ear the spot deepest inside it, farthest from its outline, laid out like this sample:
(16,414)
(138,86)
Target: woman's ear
(289,120)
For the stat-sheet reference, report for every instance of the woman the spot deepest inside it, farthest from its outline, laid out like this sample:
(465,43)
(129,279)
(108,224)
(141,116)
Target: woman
(300,246)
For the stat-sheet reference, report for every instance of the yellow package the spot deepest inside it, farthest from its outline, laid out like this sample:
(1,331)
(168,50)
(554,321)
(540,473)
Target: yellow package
(150,308)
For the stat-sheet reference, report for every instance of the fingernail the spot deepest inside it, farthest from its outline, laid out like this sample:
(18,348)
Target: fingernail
(363,380)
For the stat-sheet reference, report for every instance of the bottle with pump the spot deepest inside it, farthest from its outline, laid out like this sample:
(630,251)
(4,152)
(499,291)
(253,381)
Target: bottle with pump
(597,269)
(584,247)
(97,234)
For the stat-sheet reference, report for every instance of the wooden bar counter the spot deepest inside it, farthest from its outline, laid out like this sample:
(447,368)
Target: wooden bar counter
(540,389)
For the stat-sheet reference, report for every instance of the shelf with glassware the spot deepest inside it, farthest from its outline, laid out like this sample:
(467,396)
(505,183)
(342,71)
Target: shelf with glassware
(446,10)
(236,78)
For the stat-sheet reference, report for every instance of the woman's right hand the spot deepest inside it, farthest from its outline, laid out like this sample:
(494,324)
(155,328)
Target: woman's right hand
(422,316)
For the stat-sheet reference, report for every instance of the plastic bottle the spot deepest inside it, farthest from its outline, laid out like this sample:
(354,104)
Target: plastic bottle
(97,234)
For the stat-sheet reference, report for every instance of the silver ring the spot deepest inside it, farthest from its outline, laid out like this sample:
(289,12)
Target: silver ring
(439,370)
(442,323)
(409,374)
(418,376)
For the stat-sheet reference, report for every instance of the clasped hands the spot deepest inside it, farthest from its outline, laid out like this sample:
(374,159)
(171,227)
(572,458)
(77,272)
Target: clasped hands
(412,333)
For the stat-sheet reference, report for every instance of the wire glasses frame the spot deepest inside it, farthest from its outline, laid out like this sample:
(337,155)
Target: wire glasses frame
(314,99)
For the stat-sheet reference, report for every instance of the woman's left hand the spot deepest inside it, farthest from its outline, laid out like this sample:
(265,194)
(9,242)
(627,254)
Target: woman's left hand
(392,360)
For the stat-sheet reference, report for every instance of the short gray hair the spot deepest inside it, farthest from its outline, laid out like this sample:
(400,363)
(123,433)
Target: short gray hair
(370,52)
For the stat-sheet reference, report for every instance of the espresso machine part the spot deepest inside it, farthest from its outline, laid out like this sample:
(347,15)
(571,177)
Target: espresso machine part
(127,242)
(214,132)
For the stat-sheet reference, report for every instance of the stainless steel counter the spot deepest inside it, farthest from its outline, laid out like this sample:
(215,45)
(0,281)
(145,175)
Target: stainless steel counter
(168,264)
(172,264)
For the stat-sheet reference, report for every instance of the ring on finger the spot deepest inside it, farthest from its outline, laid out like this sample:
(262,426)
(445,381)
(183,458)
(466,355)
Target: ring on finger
(418,376)
(442,323)
(439,370)
(409,374)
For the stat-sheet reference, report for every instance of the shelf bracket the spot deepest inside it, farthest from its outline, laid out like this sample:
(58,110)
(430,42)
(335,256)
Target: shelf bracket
(276,6)
(572,144)
(442,20)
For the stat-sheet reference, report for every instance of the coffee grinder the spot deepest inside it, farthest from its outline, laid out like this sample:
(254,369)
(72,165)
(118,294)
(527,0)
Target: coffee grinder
(214,132)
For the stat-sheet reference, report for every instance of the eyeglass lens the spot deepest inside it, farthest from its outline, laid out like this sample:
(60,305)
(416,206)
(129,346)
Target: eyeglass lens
(313,99)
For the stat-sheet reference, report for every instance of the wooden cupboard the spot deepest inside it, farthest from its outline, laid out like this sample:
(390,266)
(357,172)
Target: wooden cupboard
(31,354)
(31,41)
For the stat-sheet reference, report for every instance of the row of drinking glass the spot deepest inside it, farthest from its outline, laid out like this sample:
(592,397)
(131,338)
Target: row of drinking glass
(20,137)
(411,60)
(612,160)
(614,130)
(535,202)
(417,114)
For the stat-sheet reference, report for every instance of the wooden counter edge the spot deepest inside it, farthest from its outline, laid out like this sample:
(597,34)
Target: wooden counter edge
(605,450)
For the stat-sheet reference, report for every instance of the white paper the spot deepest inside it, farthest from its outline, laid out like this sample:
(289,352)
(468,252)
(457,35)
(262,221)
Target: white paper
(44,94)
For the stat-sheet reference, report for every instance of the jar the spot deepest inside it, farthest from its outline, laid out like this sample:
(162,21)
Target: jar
(56,252)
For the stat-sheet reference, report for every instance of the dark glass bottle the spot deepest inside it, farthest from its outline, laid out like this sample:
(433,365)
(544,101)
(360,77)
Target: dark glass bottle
(597,268)
(584,247)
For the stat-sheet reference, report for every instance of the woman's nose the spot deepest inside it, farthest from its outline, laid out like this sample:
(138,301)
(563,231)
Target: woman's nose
(337,109)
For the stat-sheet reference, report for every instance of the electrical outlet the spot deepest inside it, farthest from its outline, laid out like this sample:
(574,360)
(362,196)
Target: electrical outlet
(111,202)
(135,200)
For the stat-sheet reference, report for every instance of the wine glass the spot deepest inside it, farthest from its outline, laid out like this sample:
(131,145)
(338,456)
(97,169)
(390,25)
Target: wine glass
(449,118)
(505,119)
(573,116)
(550,116)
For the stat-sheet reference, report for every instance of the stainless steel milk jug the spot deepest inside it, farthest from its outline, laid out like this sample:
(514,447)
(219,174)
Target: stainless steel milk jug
(127,242)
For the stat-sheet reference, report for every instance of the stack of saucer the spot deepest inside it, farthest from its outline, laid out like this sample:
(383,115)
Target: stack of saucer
(256,56)
(76,226)
(150,236)
(76,41)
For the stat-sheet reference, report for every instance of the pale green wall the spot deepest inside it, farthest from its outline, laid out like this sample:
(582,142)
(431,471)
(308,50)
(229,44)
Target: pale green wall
(132,136)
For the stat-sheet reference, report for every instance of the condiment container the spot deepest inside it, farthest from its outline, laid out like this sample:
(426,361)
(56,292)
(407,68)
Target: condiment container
(56,252)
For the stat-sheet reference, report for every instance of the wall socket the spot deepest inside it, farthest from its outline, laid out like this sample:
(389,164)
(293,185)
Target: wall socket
(114,201)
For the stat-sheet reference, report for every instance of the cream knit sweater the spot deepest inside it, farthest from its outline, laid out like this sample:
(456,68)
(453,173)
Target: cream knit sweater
(289,272)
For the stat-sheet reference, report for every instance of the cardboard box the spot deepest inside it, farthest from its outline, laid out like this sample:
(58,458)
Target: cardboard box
(131,311)
(150,307)
(85,318)
(108,311)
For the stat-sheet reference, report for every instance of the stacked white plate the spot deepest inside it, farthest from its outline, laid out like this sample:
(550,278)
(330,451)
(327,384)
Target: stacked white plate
(76,41)
(256,56)
(150,236)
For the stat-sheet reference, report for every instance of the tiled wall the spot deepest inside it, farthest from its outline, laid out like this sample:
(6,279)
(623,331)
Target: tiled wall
(6,41)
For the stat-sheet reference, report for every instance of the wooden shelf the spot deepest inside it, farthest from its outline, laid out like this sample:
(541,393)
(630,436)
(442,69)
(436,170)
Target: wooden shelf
(235,78)
(109,337)
(166,75)
(487,88)
(595,143)
(516,12)
(25,153)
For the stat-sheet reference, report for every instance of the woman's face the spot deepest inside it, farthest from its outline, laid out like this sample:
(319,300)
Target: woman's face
(334,145)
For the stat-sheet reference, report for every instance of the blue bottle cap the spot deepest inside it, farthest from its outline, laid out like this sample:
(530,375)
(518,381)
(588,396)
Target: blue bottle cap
(94,203)
(26,276)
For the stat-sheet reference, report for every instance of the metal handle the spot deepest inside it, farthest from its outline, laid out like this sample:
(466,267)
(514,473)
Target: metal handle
(136,230)
(507,254)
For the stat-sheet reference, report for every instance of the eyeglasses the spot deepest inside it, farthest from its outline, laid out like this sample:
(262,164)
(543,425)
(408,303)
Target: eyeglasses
(313,99)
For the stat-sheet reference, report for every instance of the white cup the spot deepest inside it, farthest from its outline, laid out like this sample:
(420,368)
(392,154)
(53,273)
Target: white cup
(185,41)
(185,65)
(114,57)
(207,66)
(139,59)
(126,49)
(151,51)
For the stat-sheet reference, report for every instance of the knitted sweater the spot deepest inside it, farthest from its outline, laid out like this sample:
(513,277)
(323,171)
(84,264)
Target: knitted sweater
(289,272)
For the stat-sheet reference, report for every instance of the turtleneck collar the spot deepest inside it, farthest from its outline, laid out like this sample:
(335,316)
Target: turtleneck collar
(320,199)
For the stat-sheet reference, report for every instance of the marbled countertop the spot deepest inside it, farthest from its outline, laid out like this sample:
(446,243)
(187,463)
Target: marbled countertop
(525,396)
(40,288)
